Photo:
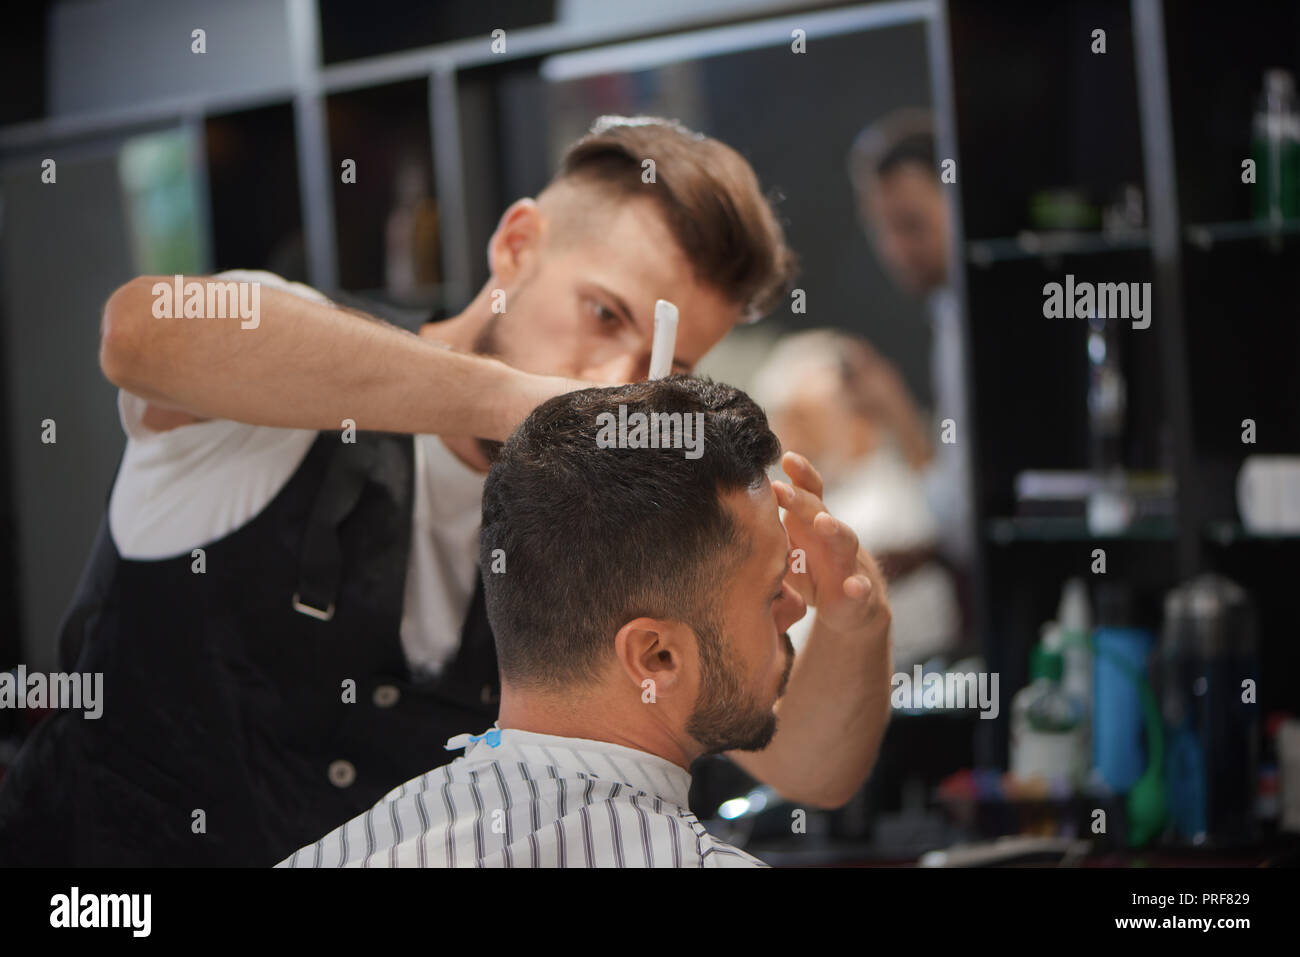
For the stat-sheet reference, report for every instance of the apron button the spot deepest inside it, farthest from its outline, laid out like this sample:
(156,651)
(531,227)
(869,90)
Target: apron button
(386,696)
(342,773)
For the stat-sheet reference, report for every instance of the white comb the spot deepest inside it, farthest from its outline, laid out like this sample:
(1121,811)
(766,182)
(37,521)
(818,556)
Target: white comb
(665,340)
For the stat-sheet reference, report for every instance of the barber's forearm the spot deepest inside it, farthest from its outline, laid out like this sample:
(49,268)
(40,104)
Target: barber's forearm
(832,720)
(309,365)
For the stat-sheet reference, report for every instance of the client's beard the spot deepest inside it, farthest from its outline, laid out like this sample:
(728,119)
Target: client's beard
(726,717)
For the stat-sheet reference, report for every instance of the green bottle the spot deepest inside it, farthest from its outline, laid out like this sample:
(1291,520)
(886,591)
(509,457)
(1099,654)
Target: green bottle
(1275,146)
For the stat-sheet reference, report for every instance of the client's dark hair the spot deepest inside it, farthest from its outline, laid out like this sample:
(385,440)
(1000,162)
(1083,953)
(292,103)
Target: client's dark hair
(593,537)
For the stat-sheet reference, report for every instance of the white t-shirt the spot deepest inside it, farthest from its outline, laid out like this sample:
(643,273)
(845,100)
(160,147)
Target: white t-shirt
(189,486)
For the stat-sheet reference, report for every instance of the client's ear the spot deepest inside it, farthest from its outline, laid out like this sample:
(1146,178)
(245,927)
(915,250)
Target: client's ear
(652,653)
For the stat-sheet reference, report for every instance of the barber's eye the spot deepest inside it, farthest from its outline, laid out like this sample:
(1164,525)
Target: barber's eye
(603,313)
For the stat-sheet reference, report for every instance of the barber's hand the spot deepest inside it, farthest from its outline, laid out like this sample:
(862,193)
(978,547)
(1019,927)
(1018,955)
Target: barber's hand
(525,391)
(840,580)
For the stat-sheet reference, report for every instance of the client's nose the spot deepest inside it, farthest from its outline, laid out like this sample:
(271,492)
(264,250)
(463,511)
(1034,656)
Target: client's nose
(792,608)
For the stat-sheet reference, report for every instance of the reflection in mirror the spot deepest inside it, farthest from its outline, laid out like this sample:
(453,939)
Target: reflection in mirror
(867,398)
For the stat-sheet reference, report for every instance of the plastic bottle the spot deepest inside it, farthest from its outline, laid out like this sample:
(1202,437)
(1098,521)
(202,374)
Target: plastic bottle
(1275,144)
(1047,724)
(1075,616)
(1110,506)
(1119,672)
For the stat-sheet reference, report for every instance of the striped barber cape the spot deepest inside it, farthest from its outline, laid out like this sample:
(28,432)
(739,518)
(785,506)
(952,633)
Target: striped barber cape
(522,799)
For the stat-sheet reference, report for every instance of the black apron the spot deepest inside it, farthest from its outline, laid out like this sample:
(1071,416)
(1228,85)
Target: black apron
(251,708)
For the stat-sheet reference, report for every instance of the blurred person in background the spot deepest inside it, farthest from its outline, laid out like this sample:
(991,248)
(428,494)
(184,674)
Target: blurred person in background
(895,176)
(832,397)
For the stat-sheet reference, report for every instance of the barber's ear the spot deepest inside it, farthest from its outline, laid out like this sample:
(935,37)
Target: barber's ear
(653,650)
(516,240)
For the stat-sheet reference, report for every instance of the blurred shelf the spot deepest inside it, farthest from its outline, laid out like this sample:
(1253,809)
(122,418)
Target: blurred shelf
(1018,529)
(1226,532)
(1008,531)
(1205,235)
(1045,245)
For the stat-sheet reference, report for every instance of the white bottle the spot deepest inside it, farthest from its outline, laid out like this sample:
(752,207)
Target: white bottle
(1048,730)
(1075,617)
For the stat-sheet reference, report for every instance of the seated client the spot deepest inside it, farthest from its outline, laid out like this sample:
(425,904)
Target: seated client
(639,592)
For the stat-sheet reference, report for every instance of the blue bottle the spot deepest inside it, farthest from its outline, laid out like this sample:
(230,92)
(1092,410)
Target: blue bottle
(1119,665)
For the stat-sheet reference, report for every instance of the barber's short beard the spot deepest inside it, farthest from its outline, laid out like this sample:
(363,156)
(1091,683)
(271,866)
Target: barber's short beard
(726,716)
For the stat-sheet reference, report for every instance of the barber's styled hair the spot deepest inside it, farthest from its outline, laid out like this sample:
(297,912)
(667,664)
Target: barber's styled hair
(708,194)
(592,537)
(901,138)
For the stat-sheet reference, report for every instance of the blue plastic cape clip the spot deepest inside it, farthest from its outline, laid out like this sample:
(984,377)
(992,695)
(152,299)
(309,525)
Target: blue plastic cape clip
(492,736)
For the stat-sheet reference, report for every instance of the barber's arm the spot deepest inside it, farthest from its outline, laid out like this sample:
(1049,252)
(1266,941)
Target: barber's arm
(309,365)
(836,705)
